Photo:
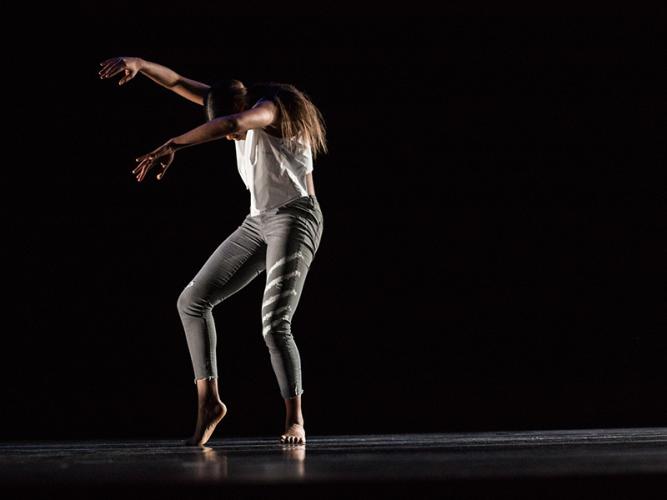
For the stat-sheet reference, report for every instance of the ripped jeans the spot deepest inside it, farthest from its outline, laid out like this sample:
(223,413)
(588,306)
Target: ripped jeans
(281,241)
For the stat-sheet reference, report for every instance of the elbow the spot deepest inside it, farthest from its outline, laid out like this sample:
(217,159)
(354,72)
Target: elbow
(232,125)
(225,125)
(175,82)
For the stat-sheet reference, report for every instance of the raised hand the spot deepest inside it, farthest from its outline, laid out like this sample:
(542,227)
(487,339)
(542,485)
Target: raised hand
(129,66)
(163,155)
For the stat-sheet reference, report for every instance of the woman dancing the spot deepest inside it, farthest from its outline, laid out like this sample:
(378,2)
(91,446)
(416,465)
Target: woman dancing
(278,132)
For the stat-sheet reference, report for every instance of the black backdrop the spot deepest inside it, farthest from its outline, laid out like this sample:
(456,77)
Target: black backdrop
(493,248)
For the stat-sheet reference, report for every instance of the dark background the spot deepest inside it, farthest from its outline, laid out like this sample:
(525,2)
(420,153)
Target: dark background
(493,254)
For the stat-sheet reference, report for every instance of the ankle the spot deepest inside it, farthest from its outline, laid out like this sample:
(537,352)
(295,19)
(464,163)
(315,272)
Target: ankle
(209,400)
(294,420)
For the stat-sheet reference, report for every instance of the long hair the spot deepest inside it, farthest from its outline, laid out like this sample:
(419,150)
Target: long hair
(300,120)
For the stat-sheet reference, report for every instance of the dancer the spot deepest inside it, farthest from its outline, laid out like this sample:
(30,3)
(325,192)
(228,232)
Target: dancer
(278,132)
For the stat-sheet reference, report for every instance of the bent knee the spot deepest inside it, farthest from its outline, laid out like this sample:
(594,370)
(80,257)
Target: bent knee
(190,302)
(279,331)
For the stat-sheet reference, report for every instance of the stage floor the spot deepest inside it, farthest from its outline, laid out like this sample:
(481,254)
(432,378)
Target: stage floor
(433,465)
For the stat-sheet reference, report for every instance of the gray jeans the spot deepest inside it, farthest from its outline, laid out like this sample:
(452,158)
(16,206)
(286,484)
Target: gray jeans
(281,241)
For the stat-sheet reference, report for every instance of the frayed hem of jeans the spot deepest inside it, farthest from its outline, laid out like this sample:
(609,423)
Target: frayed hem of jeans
(293,396)
(205,378)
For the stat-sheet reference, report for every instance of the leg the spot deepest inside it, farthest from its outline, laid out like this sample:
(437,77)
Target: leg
(293,236)
(236,261)
(234,264)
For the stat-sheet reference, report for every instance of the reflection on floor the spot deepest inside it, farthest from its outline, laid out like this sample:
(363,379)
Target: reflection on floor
(537,464)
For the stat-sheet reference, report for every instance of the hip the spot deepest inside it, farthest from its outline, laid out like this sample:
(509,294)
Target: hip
(307,206)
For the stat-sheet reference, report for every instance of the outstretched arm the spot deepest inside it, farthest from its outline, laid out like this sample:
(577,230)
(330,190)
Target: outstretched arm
(259,116)
(192,90)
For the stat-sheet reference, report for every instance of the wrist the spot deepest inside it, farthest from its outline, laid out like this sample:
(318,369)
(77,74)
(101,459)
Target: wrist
(174,145)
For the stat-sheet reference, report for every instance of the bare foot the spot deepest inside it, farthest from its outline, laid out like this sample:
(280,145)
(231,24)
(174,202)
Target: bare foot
(208,417)
(294,434)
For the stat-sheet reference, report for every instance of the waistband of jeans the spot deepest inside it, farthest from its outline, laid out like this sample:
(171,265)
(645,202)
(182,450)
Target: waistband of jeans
(305,197)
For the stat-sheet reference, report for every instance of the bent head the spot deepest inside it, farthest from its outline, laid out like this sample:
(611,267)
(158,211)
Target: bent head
(299,117)
(226,97)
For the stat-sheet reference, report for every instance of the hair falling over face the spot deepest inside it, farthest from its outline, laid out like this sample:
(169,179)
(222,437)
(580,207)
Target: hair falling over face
(300,120)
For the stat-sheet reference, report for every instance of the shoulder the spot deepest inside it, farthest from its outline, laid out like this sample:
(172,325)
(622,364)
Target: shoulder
(266,103)
(269,106)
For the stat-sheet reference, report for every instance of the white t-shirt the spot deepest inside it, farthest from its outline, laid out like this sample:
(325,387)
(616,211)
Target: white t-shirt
(273,174)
